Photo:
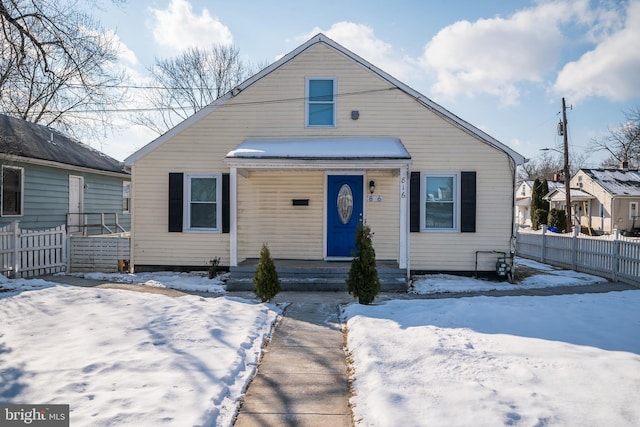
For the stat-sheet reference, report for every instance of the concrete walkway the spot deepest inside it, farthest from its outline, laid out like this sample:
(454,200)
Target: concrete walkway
(302,378)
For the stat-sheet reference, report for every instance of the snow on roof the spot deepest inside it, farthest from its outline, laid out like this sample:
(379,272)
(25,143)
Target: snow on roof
(616,182)
(320,148)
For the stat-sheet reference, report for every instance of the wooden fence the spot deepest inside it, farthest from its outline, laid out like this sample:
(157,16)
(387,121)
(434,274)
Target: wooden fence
(29,253)
(104,253)
(613,257)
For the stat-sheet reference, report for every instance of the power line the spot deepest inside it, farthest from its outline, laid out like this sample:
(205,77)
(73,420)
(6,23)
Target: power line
(236,104)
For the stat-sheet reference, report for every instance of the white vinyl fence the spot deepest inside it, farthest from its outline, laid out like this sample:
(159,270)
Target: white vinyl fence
(613,257)
(29,253)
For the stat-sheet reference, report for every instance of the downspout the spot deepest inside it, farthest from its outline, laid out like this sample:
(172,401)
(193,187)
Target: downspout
(513,240)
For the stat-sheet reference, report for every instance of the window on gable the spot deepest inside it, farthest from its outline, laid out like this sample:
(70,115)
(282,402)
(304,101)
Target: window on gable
(11,191)
(202,207)
(633,211)
(321,104)
(440,202)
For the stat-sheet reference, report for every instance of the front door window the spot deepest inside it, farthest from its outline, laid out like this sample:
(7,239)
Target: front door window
(345,203)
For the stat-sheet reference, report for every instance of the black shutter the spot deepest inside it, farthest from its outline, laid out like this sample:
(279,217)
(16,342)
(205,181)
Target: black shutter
(176,187)
(414,202)
(468,208)
(225,203)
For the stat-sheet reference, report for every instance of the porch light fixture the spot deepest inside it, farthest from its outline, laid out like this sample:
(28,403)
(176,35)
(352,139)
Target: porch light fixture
(372,186)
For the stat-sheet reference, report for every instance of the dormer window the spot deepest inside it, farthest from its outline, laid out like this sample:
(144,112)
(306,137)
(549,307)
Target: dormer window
(320,107)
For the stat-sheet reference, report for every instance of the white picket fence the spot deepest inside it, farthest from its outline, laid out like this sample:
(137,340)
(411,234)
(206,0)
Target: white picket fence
(29,253)
(613,257)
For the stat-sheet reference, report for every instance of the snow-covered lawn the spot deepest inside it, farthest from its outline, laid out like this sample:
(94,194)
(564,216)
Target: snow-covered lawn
(568,360)
(546,276)
(123,358)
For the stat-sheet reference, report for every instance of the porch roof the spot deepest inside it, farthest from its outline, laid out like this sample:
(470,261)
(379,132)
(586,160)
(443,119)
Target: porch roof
(558,195)
(321,149)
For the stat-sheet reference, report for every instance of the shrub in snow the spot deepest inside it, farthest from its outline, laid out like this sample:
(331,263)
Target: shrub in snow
(213,267)
(266,282)
(363,281)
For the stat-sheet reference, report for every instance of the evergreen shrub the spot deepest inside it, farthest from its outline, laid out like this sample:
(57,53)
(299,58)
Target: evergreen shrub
(558,219)
(265,281)
(363,281)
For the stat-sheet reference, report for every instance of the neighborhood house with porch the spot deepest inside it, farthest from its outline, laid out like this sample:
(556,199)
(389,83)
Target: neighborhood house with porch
(298,154)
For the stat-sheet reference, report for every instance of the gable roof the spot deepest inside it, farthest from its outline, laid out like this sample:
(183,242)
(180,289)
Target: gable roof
(616,182)
(30,140)
(321,38)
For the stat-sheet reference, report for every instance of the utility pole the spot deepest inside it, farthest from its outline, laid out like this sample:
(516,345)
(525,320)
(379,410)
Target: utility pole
(567,186)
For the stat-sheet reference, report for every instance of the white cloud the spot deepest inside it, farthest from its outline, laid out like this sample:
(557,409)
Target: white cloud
(178,28)
(361,40)
(124,53)
(611,70)
(493,55)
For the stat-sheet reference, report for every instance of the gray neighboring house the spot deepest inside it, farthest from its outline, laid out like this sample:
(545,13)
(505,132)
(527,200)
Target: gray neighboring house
(49,179)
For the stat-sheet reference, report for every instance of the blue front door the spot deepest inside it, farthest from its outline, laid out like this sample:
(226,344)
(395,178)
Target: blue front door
(344,211)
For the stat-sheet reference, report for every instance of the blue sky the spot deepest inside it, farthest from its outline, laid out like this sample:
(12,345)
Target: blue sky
(503,66)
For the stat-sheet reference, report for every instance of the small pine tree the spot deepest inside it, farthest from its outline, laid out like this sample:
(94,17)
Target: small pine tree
(363,281)
(265,281)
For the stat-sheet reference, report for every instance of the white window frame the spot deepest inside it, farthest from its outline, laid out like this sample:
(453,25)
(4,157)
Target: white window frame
(126,197)
(633,207)
(187,203)
(308,81)
(456,201)
(21,202)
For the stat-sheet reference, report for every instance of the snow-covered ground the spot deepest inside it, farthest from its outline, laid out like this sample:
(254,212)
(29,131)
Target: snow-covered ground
(123,358)
(546,276)
(571,360)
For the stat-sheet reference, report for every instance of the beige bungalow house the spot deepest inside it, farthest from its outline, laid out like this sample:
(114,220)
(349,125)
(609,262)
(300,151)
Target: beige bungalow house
(605,200)
(298,154)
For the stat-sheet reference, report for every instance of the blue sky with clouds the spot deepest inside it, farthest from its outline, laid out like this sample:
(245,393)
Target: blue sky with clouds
(501,65)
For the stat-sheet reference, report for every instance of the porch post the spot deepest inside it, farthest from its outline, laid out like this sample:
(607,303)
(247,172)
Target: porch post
(404,212)
(233,217)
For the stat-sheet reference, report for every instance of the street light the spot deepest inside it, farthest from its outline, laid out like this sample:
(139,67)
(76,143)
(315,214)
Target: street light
(562,130)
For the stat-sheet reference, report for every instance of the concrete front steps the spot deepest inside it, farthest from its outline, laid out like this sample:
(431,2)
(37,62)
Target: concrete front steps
(311,276)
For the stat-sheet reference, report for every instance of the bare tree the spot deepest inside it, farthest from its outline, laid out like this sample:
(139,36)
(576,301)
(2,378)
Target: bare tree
(185,84)
(542,167)
(623,142)
(550,166)
(56,66)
